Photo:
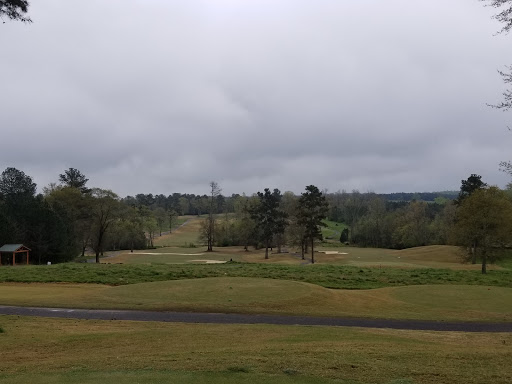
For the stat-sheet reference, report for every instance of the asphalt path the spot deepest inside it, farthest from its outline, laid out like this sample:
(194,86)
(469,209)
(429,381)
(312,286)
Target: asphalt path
(222,318)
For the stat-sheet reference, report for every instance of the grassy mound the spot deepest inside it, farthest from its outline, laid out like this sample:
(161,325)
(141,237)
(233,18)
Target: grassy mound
(267,296)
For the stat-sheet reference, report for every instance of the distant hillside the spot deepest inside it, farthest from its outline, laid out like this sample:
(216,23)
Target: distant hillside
(423,196)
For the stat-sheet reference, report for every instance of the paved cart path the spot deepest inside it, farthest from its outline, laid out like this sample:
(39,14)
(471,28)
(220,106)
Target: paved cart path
(221,318)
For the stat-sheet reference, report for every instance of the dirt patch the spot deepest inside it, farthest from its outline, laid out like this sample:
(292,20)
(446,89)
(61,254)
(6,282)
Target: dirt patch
(176,254)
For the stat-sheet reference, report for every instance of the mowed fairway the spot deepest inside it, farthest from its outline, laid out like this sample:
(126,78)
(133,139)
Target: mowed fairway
(267,296)
(434,256)
(40,350)
(186,235)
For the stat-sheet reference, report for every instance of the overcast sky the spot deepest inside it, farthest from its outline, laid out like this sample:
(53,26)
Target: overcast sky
(162,96)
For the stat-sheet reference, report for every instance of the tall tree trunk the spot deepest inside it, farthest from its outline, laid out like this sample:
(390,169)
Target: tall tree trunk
(473,253)
(302,249)
(312,251)
(484,262)
(97,256)
(266,250)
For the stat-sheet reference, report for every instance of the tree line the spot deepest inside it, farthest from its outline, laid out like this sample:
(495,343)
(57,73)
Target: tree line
(69,217)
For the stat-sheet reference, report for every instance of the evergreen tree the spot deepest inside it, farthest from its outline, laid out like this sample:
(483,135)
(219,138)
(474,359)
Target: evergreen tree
(313,208)
(268,217)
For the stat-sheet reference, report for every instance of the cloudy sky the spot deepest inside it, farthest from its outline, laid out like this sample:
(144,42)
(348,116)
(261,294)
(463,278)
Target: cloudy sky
(162,96)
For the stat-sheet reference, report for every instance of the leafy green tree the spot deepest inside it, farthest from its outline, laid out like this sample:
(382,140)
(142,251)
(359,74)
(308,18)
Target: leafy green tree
(484,224)
(151,226)
(313,209)
(76,207)
(161,218)
(29,219)
(14,10)
(354,207)
(269,219)
(132,234)
(246,227)
(105,211)
(412,226)
(172,215)
(14,183)
(73,178)
(442,225)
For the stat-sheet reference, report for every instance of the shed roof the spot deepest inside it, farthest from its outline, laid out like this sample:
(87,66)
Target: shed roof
(12,247)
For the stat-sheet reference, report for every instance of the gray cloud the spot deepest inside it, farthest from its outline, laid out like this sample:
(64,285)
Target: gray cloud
(164,96)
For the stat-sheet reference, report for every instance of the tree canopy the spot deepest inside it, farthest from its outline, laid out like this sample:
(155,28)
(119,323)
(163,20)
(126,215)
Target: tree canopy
(484,223)
(472,184)
(73,178)
(15,182)
(14,10)
(313,208)
(268,217)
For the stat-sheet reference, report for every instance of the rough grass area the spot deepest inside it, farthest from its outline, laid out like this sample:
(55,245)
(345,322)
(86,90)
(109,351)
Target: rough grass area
(265,296)
(329,276)
(65,351)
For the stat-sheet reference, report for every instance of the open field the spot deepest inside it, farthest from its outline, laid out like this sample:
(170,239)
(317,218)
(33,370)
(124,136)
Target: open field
(68,351)
(265,296)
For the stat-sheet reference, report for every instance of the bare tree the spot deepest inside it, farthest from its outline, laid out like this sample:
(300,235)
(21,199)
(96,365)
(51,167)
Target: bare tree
(504,15)
(209,227)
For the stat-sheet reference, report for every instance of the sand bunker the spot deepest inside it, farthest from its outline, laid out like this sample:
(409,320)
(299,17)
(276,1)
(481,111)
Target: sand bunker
(334,253)
(177,254)
(208,261)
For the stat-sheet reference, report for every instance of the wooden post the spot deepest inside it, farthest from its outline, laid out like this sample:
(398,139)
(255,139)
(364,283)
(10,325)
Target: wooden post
(14,258)
(27,257)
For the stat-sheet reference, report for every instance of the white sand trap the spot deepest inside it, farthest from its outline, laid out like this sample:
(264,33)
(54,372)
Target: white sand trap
(177,254)
(334,253)
(208,261)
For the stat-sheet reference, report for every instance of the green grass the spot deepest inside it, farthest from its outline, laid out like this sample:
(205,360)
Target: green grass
(332,232)
(182,237)
(150,376)
(41,350)
(329,276)
(265,296)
